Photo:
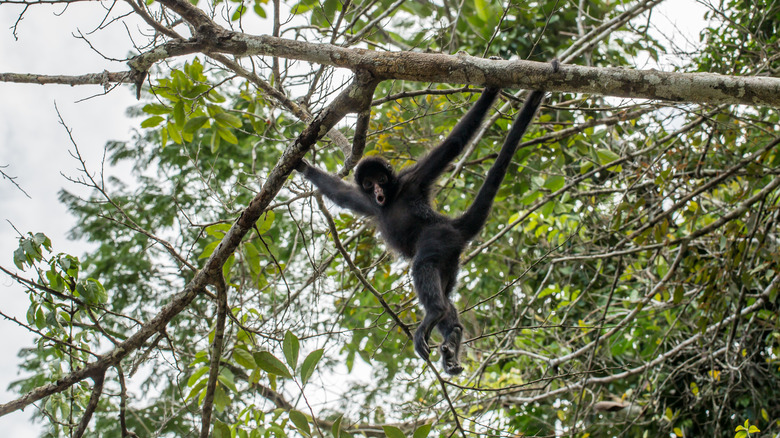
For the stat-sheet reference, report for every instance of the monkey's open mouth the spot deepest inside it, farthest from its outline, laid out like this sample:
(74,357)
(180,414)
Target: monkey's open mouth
(380,199)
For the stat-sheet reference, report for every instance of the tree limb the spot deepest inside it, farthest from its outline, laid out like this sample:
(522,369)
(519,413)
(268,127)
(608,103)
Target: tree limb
(707,88)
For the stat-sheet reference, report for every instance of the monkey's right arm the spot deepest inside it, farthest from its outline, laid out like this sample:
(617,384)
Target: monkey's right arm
(432,165)
(343,194)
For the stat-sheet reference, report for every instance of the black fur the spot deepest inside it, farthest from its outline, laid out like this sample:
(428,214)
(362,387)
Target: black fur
(411,227)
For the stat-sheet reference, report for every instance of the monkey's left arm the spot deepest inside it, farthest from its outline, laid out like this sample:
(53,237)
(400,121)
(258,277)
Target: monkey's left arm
(343,194)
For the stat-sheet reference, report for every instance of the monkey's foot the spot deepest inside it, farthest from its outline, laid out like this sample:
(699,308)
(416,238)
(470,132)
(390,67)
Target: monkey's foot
(450,350)
(452,369)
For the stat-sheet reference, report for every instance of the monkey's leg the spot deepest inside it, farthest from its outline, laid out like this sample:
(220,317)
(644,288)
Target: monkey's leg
(427,283)
(452,332)
(434,271)
(449,326)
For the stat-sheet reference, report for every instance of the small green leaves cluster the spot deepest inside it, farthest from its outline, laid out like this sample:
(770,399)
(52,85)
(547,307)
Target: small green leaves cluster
(189,105)
(240,9)
(62,311)
(258,365)
(62,294)
(746,430)
(253,253)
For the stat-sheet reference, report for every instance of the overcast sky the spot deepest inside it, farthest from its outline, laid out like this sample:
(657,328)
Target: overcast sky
(35,146)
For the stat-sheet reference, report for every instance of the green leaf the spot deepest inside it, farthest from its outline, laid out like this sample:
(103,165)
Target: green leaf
(194,124)
(303,6)
(585,168)
(264,223)
(270,364)
(300,421)
(209,249)
(482,11)
(195,377)
(226,378)
(393,432)
(239,12)
(422,431)
(174,133)
(291,346)
(42,239)
(329,7)
(19,258)
(244,358)
(555,182)
(156,109)
(336,428)
(86,293)
(178,114)
(218,230)
(678,295)
(227,135)
(606,156)
(307,369)
(228,119)
(151,122)
(742,434)
(96,291)
(200,386)
(214,143)
(221,430)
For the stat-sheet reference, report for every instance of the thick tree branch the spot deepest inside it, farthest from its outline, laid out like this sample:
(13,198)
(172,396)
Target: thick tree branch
(706,88)
(465,69)
(105,78)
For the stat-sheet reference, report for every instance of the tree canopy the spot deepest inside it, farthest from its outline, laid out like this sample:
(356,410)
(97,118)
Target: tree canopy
(625,284)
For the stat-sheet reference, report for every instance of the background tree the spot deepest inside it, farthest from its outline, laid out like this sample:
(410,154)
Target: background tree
(626,283)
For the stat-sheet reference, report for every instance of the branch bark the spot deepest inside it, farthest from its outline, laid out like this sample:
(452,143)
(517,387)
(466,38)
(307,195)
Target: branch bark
(216,358)
(210,39)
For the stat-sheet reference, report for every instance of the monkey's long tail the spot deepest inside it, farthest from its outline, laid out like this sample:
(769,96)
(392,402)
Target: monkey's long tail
(472,221)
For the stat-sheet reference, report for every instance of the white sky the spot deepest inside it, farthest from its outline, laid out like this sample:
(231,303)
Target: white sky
(35,145)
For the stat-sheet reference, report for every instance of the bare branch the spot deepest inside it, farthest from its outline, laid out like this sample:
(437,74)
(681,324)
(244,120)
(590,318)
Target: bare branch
(94,398)
(216,357)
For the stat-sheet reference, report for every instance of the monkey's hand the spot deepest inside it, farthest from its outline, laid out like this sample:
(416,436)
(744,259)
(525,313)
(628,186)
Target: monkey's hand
(421,344)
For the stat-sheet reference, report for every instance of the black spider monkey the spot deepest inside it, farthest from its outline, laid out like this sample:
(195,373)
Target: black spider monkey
(402,208)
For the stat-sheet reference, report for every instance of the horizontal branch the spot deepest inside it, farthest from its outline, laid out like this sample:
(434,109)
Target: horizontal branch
(705,88)
(105,78)
(464,69)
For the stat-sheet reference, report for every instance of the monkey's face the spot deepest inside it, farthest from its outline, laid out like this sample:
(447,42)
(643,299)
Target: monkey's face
(376,186)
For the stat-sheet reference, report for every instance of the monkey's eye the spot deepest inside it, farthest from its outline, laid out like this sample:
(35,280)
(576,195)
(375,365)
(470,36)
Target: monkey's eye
(367,184)
(382,179)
